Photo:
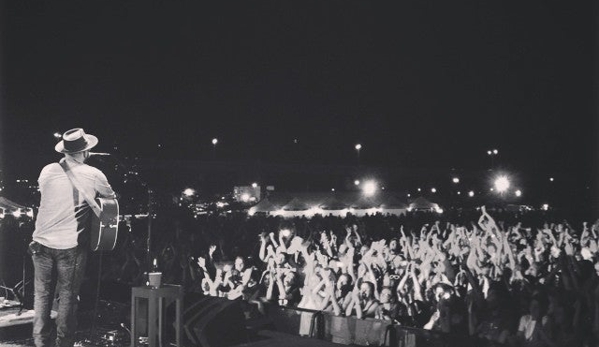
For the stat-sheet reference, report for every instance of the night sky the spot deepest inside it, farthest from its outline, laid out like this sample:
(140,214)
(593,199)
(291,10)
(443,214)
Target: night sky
(417,83)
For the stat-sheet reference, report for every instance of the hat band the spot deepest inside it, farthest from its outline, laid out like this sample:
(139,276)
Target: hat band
(75,145)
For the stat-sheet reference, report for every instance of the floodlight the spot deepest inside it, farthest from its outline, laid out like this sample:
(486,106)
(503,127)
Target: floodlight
(369,188)
(502,183)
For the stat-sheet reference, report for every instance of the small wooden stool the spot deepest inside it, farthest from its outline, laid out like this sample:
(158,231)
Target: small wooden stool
(155,297)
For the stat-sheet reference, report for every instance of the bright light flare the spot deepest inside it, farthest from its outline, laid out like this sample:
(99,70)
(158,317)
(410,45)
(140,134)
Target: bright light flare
(370,188)
(518,193)
(471,193)
(245,197)
(358,147)
(214,141)
(189,192)
(455,180)
(502,183)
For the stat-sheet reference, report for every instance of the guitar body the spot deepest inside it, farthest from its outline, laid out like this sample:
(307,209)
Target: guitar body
(104,229)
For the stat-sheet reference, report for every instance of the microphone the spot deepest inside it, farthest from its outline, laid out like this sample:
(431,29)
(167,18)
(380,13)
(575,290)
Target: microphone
(96,153)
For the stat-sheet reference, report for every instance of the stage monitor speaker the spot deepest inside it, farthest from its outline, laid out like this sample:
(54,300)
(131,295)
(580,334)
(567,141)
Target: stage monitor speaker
(215,322)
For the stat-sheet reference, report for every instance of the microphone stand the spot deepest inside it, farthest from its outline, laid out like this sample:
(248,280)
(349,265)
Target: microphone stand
(150,206)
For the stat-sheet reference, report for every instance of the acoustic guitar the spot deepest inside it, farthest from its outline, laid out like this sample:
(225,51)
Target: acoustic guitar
(105,226)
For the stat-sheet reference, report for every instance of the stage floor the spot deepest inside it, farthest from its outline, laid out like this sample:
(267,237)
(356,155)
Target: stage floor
(109,315)
(17,332)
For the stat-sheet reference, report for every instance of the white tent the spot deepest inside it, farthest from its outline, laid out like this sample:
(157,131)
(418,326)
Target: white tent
(309,204)
(423,204)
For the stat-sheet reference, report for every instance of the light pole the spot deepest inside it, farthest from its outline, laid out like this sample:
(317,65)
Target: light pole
(358,147)
(214,142)
(492,153)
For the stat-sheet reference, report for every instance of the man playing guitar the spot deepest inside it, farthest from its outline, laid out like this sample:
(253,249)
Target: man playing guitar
(61,238)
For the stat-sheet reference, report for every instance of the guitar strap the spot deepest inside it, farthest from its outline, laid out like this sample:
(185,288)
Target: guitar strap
(91,202)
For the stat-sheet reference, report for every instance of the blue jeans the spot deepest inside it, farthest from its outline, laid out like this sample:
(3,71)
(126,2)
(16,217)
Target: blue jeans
(57,271)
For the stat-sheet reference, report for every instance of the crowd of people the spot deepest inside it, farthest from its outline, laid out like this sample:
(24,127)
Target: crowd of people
(504,281)
(514,279)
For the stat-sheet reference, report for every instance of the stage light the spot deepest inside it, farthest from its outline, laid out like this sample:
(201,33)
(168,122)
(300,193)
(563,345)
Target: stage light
(357,182)
(471,193)
(189,192)
(214,141)
(551,179)
(502,183)
(518,193)
(370,188)
(245,197)
(456,180)
(358,147)
(254,185)
(433,190)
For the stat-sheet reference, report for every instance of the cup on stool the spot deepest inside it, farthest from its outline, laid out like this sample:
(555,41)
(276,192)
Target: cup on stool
(155,279)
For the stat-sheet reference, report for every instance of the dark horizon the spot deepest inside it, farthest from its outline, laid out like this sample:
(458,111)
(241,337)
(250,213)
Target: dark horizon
(418,85)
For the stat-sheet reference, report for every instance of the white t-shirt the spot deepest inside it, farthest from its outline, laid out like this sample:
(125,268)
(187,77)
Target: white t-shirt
(63,212)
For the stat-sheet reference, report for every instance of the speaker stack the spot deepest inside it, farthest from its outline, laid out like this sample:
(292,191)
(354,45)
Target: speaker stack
(214,322)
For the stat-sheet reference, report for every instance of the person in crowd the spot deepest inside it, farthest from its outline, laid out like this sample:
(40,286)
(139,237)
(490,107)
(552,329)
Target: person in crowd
(362,301)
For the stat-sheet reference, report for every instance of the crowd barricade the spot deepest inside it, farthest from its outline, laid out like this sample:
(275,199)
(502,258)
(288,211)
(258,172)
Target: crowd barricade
(360,332)
(296,321)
